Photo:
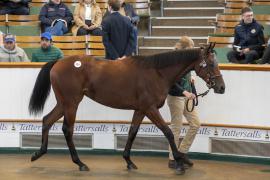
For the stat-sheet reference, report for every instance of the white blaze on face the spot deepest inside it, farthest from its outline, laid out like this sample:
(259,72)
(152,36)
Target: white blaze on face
(77,64)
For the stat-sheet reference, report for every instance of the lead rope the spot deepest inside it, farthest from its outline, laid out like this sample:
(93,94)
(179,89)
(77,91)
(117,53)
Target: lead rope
(195,101)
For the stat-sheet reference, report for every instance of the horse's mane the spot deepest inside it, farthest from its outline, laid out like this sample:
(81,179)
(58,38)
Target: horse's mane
(163,60)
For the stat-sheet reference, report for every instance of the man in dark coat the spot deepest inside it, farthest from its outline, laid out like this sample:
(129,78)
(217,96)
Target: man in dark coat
(118,35)
(17,7)
(248,40)
(127,10)
(55,17)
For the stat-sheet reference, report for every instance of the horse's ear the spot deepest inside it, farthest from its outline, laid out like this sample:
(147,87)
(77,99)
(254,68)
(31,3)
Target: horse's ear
(212,46)
(209,48)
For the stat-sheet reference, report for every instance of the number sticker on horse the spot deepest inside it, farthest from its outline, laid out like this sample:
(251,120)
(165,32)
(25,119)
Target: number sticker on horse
(77,64)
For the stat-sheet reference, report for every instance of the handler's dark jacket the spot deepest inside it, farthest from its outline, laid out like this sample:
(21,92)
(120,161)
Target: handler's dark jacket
(180,86)
(50,11)
(249,36)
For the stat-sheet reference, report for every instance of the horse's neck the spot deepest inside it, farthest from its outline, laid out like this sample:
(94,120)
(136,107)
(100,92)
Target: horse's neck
(172,73)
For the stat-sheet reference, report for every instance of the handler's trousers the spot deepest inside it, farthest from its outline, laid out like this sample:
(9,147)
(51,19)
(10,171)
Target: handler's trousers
(178,110)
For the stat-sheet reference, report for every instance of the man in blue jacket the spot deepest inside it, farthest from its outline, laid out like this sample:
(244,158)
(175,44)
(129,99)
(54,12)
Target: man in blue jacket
(55,17)
(17,7)
(248,40)
(118,34)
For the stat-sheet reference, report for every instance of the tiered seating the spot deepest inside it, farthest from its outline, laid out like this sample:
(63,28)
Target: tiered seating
(260,2)
(27,25)
(235,6)
(70,45)
(142,7)
(80,45)
(225,23)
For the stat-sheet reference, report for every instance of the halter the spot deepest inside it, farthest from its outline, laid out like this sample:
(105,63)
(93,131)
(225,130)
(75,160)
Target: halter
(210,84)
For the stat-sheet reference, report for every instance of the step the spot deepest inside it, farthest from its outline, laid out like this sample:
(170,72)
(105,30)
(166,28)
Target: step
(154,50)
(157,41)
(187,21)
(192,3)
(195,11)
(182,30)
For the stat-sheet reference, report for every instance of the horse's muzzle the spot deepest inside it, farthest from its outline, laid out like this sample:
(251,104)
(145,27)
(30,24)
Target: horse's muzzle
(219,89)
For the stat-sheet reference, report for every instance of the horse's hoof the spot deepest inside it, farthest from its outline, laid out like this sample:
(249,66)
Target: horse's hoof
(84,168)
(36,155)
(131,166)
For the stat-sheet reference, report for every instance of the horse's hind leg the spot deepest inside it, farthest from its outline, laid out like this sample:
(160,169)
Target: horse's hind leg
(47,123)
(154,115)
(135,124)
(68,128)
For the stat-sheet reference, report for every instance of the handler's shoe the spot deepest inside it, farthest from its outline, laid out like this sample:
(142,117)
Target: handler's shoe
(172,164)
(187,161)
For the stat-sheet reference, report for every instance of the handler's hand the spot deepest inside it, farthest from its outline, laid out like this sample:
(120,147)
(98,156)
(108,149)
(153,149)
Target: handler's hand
(189,95)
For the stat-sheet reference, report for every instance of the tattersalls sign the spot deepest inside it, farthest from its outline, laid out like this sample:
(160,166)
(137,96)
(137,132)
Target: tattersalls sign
(105,133)
(3,127)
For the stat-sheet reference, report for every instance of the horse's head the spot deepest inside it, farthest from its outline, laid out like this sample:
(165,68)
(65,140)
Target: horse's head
(207,68)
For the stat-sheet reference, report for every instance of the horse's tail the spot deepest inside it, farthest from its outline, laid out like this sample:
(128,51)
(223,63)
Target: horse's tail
(41,89)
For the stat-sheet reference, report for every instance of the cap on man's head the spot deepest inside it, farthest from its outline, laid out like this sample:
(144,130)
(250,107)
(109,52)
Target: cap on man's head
(9,38)
(46,35)
(246,9)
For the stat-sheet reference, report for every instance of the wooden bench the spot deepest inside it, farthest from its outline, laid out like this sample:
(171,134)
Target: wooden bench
(225,23)
(221,41)
(260,2)
(70,45)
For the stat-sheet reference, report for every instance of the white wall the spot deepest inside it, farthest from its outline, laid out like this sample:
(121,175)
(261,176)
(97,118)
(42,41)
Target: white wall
(245,102)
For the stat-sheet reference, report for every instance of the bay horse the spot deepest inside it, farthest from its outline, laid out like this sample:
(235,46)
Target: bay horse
(139,83)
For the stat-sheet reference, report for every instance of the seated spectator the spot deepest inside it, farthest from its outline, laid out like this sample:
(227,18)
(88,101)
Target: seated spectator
(87,17)
(118,35)
(10,52)
(17,7)
(55,17)
(248,40)
(47,51)
(127,10)
(266,55)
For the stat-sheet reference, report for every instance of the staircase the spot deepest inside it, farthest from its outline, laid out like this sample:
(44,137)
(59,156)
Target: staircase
(178,18)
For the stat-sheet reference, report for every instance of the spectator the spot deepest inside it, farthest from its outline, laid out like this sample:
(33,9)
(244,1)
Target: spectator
(118,36)
(55,17)
(178,95)
(127,9)
(9,52)
(248,40)
(47,51)
(17,7)
(87,17)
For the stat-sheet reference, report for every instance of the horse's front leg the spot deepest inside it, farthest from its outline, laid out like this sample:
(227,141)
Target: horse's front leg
(154,115)
(135,125)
